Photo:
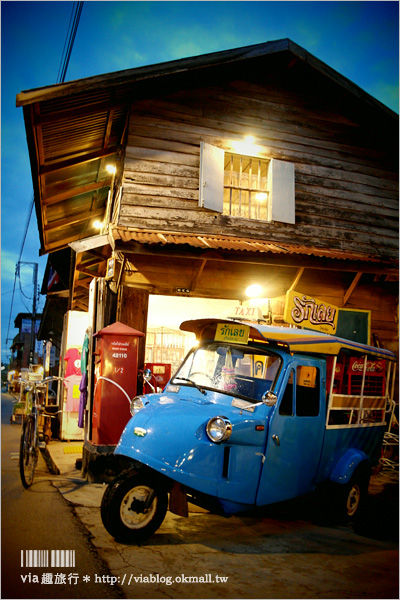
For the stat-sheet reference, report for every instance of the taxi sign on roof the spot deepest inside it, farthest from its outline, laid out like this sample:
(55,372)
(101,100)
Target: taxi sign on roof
(232,332)
(247,313)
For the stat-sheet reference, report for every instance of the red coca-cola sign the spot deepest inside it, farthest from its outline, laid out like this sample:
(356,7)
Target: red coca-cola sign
(376,367)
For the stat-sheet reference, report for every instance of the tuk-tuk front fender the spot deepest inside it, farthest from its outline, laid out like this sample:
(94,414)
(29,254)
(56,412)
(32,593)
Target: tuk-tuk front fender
(169,436)
(348,463)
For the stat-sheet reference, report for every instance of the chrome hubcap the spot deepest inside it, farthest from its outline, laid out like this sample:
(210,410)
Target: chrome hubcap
(133,513)
(353,500)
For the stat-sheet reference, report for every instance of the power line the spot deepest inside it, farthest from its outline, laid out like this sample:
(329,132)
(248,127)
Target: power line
(18,263)
(65,58)
(28,220)
(69,40)
(12,302)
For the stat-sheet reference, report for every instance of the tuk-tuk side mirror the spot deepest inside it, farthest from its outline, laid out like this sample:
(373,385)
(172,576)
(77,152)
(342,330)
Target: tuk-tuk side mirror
(147,376)
(269,398)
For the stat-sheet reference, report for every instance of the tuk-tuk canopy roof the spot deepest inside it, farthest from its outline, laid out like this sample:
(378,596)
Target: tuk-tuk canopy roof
(293,340)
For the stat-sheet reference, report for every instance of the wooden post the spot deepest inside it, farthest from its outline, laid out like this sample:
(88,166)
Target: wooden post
(133,305)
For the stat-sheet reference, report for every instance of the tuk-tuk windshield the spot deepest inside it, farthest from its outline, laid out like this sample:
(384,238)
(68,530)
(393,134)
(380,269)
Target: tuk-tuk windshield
(243,371)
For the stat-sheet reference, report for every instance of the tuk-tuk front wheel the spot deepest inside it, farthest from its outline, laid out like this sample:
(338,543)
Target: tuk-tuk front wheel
(133,507)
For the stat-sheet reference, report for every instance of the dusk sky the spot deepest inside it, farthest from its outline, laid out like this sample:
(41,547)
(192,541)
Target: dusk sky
(360,40)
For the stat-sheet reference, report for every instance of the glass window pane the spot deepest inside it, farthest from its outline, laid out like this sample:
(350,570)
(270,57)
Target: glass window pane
(243,173)
(307,391)
(242,371)
(286,406)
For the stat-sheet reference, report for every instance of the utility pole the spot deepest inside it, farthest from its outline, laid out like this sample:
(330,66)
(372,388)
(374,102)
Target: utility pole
(35,274)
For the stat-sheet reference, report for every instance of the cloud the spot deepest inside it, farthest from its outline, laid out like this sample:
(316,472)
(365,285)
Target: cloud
(8,261)
(130,58)
(386,93)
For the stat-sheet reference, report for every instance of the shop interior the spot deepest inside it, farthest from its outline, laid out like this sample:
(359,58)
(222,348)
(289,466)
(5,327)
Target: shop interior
(165,343)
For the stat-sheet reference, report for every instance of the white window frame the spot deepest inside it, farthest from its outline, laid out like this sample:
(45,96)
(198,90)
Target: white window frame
(211,187)
(280,185)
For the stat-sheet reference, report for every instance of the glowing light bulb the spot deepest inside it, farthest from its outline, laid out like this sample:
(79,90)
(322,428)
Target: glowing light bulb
(254,290)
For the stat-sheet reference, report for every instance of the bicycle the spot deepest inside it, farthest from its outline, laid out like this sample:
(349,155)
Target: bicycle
(31,437)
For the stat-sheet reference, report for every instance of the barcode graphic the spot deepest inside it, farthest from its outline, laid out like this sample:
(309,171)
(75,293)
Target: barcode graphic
(34,558)
(40,558)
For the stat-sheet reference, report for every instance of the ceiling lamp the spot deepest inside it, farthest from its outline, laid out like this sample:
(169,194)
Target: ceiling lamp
(254,290)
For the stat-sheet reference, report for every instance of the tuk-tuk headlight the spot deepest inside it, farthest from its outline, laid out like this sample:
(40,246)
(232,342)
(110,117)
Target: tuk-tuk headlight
(219,429)
(136,404)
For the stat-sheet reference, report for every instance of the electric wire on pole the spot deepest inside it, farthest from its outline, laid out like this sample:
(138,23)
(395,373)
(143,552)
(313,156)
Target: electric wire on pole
(69,41)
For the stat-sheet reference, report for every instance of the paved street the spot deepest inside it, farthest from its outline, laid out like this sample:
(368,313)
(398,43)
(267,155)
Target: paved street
(40,519)
(281,553)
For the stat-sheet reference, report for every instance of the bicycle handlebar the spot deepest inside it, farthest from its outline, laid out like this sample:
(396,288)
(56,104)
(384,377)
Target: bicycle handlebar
(52,378)
(46,380)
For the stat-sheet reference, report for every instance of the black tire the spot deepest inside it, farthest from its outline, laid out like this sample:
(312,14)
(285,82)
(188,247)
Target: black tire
(349,498)
(340,503)
(122,521)
(28,453)
(354,495)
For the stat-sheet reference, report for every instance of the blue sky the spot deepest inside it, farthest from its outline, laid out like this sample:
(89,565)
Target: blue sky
(360,40)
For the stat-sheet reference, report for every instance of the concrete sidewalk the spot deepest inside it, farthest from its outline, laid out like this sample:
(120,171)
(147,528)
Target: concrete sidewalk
(67,477)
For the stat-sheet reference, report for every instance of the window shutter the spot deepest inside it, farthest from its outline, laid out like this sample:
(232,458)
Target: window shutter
(281,198)
(211,184)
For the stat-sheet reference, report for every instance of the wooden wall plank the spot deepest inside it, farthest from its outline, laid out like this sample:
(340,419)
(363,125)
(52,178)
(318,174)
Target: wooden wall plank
(346,178)
(150,127)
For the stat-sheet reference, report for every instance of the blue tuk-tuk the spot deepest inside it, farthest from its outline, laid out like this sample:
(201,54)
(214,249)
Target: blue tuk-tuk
(254,415)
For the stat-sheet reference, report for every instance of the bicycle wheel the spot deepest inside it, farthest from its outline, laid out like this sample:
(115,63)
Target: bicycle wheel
(28,453)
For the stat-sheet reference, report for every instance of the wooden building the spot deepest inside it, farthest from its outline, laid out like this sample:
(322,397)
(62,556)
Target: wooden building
(192,206)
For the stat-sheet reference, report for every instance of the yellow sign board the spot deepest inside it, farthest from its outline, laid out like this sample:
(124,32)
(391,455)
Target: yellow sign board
(305,311)
(232,332)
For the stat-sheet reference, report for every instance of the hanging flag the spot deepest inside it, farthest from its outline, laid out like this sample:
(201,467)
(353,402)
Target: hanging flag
(53,278)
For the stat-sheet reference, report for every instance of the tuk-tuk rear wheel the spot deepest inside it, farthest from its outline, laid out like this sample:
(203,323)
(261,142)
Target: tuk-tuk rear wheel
(353,499)
(343,502)
(123,509)
(351,496)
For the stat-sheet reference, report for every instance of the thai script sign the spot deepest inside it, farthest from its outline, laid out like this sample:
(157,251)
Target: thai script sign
(305,311)
(232,332)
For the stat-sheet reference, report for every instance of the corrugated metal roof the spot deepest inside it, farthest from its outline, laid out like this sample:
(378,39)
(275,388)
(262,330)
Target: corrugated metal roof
(226,243)
(198,241)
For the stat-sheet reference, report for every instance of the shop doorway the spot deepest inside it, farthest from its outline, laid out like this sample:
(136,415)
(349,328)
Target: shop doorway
(165,342)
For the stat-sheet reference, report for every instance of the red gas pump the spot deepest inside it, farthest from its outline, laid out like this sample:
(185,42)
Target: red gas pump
(115,380)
